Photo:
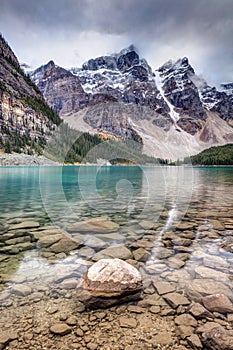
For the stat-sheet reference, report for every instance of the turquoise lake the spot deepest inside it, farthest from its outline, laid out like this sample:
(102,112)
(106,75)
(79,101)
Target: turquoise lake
(181,216)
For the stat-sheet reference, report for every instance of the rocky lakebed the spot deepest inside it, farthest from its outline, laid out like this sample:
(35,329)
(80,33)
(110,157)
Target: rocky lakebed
(183,301)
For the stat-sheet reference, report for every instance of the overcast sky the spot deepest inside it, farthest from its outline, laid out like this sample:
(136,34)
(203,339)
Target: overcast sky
(72,31)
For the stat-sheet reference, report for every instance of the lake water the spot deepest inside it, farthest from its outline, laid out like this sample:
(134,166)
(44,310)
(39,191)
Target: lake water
(182,216)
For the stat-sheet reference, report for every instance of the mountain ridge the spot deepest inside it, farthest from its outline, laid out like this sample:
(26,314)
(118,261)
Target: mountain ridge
(170,108)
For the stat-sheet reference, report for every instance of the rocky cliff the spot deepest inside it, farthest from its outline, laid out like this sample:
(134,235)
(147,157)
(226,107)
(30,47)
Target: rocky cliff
(25,117)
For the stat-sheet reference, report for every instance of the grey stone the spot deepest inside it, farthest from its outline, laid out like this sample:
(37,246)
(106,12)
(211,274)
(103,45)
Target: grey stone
(21,290)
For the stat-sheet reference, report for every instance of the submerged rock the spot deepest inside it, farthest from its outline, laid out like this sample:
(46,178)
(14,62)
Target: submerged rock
(228,244)
(117,251)
(109,282)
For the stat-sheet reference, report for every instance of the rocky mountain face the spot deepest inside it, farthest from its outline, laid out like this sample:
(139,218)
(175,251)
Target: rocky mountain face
(63,90)
(121,94)
(25,117)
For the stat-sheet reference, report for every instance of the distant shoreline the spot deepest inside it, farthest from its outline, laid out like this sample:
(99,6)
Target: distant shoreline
(19,159)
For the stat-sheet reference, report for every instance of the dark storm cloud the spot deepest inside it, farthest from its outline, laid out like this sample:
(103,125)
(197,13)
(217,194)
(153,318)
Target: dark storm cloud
(49,13)
(162,29)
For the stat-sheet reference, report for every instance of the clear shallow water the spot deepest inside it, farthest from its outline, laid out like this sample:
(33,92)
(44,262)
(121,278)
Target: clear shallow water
(146,203)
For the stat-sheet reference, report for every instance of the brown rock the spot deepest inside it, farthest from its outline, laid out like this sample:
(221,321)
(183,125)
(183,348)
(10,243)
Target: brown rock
(194,342)
(118,251)
(6,338)
(60,329)
(155,309)
(47,241)
(163,287)
(198,311)
(79,332)
(71,321)
(141,254)
(182,226)
(176,299)
(186,320)
(136,309)
(218,338)
(65,245)
(127,322)
(101,224)
(163,338)
(218,302)
(207,327)
(185,331)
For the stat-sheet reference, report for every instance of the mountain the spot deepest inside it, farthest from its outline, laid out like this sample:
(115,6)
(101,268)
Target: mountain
(25,118)
(172,112)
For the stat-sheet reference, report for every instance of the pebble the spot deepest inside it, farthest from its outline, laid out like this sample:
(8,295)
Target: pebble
(60,329)
(127,322)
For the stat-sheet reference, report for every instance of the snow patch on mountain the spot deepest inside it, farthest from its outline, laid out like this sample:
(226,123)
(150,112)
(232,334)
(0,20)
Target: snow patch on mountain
(159,83)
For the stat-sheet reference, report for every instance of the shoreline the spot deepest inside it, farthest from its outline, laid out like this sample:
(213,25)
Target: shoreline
(19,159)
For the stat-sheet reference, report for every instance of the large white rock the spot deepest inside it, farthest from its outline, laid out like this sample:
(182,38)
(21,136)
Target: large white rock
(108,282)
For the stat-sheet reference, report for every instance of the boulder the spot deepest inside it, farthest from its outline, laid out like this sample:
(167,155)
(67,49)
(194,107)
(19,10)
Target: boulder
(109,282)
